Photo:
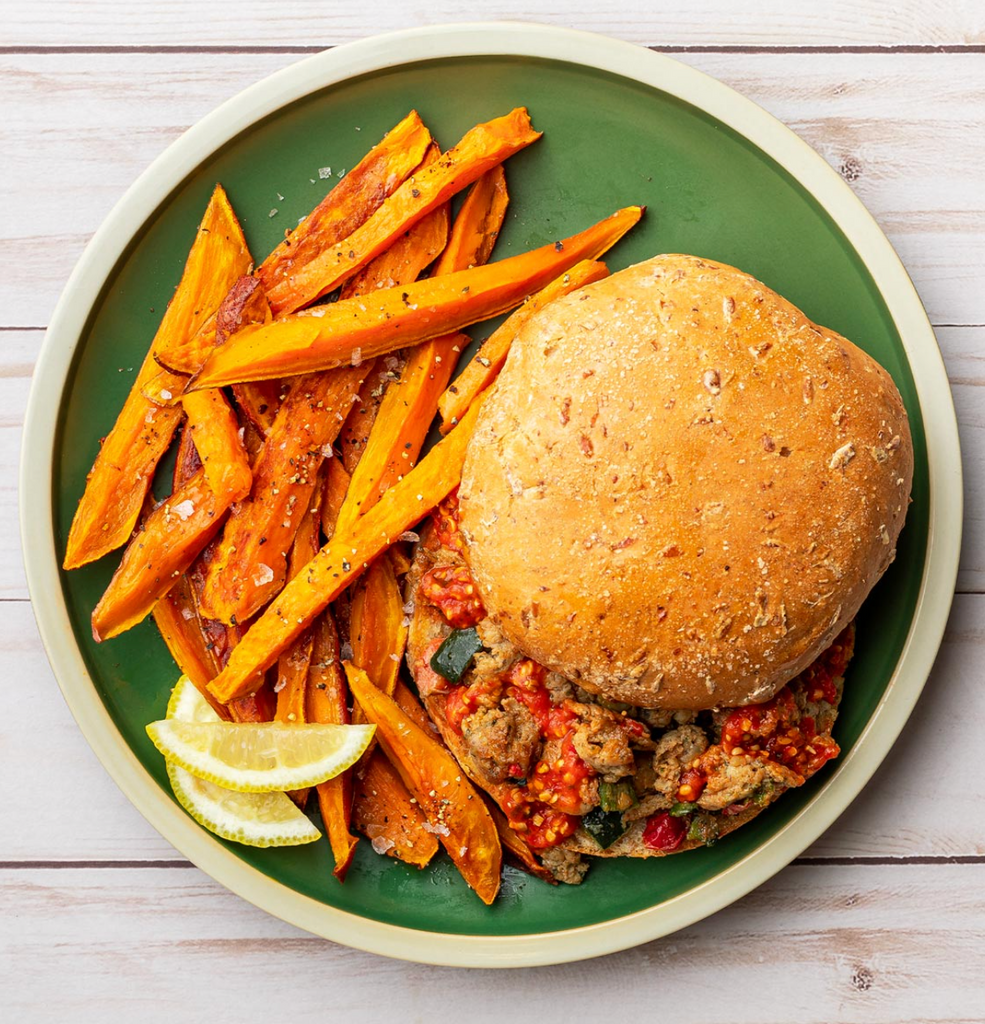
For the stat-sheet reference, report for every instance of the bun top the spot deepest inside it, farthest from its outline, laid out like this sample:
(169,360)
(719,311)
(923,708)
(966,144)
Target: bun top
(682,489)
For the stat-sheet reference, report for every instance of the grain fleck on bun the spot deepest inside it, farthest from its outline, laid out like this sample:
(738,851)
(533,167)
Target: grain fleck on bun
(682,489)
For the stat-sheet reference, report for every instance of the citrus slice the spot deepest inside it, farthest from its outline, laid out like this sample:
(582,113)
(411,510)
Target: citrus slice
(254,819)
(188,705)
(259,757)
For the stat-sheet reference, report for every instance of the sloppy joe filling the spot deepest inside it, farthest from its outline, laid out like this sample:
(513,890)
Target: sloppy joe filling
(548,749)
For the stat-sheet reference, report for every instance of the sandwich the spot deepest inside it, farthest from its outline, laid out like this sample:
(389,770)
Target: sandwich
(632,622)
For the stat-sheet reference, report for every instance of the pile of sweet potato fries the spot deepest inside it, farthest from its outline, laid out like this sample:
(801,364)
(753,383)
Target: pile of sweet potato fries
(297,476)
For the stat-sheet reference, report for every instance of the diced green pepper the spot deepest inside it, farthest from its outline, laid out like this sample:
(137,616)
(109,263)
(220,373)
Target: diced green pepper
(617,796)
(682,810)
(605,827)
(455,654)
(704,828)
(614,705)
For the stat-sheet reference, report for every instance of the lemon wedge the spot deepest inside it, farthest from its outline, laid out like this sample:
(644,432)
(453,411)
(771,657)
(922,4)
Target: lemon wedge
(259,757)
(254,819)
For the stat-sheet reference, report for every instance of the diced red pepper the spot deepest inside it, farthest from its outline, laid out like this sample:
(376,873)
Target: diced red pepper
(664,832)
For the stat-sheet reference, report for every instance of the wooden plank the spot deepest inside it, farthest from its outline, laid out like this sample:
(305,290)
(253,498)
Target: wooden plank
(846,943)
(964,354)
(64,806)
(704,22)
(900,126)
(18,352)
(917,805)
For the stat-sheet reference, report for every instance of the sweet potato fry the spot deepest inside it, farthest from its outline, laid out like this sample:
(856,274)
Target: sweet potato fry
(259,401)
(247,303)
(454,808)
(122,473)
(344,558)
(198,646)
(327,336)
(194,651)
(406,410)
(405,258)
(214,430)
(176,619)
(376,626)
(479,150)
(336,486)
(412,707)
(249,566)
(484,367)
(477,225)
(354,434)
(292,666)
(164,389)
(292,675)
(174,533)
(383,812)
(402,425)
(327,704)
(171,536)
(220,640)
(350,203)
(250,562)
(291,689)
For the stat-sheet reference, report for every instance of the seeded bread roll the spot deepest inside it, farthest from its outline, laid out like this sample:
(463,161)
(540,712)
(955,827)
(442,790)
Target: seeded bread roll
(682,489)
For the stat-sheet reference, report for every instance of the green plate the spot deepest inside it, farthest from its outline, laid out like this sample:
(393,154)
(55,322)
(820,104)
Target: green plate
(621,126)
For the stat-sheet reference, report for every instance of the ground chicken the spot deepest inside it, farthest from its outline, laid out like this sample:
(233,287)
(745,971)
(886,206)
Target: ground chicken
(602,741)
(501,740)
(734,779)
(564,865)
(498,655)
(660,718)
(674,752)
(560,688)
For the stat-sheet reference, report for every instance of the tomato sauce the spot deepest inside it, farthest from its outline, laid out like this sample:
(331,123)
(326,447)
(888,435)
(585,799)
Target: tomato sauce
(543,808)
(463,701)
(446,528)
(450,588)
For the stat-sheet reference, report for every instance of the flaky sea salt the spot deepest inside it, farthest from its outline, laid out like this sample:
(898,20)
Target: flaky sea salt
(438,830)
(381,844)
(183,509)
(263,575)
(324,172)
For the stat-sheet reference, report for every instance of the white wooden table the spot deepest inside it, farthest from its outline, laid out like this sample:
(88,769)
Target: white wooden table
(882,920)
